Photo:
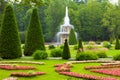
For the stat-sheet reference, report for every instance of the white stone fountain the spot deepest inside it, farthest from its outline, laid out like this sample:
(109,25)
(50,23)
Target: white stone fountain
(64,29)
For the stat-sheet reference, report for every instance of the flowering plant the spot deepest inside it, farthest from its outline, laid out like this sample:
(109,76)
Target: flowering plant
(14,67)
(22,74)
(85,76)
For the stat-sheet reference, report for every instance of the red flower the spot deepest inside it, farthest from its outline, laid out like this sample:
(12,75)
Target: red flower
(22,74)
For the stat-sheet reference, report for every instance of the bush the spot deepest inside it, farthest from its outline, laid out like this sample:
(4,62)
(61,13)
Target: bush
(106,44)
(86,56)
(56,53)
(39,54)
(116,57)
(75,47)
(61,46)
(91,43)
(89,47)
(51,46)
(101,54)
(98,42)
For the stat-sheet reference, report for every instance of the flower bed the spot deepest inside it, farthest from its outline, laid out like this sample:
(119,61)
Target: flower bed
(68,65)
(23,62)
(22,74)
(90,61)
(14,67)
(62,68)
(114,72)
(65,70)
(85,76)
(11,78)
(101,67)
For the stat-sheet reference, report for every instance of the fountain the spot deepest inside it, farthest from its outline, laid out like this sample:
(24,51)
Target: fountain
(64,29)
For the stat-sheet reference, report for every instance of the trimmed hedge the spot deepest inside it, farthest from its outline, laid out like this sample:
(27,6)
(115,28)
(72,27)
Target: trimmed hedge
(106,44)
(34,38)
(10,46)
(86,56)
(66,51)
(39,54)
(51,47)
(56,52)
(117,44)
(101,54)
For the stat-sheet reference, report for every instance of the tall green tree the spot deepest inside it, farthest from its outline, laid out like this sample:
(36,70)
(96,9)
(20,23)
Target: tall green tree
(2,5)
(54,16)
(72,37)
(66,51)
(34,39)
(117,44)
(10,46)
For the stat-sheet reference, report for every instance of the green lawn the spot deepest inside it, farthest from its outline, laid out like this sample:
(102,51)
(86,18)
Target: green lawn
(50,70)
(112,52)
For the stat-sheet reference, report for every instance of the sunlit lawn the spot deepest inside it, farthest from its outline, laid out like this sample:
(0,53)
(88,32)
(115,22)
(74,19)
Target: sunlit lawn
(50,70)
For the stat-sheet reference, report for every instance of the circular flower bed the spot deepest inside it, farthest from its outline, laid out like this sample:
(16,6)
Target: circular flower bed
(64,69)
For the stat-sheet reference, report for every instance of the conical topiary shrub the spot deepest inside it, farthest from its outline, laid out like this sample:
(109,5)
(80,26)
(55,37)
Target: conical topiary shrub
(80,46)
(117,45)
(66,51)
(10,46)
(34,39)
(72,37)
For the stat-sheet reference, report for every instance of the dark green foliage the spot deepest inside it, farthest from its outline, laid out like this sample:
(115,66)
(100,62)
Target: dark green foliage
(9,38)
(34,39)
(56,52)
(86,56)
(80,46)
(72,37)
(106,44)
(51,46)
(39,54)
(61,46)
(22,37)
(101,54)
(66,51)
(117,45)
(116,57)
(0,58)
(75,47)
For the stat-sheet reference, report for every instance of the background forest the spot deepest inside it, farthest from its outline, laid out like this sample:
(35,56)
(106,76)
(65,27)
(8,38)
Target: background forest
(95,20)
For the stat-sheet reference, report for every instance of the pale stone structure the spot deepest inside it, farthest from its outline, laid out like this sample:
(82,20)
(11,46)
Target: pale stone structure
(64,29)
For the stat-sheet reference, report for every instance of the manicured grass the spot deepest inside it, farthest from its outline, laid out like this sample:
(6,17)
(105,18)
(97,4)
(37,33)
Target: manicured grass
(112,53)
(50,70)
